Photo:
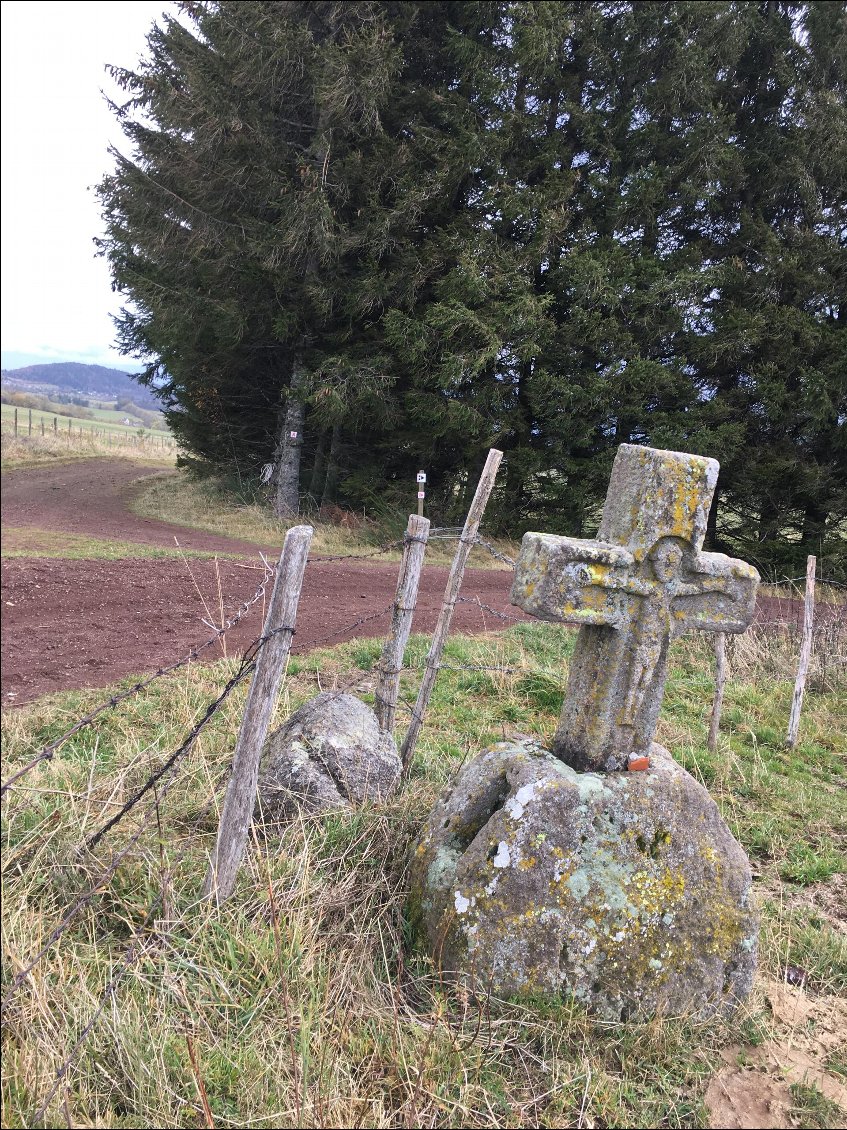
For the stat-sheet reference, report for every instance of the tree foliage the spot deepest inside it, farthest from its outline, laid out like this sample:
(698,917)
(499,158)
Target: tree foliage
(359,239)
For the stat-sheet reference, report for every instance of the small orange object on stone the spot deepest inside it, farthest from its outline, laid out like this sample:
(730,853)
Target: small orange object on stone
(638,761)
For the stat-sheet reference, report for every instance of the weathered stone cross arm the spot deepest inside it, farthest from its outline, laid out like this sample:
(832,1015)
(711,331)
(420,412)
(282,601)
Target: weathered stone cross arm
(578,581)
(643,581)
(732,609)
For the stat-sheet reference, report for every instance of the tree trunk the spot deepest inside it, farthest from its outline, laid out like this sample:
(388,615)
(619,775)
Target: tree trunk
(814,527)
(769,518)
(291,441)
(290,447)
(316,485)
(712,523)
(332,470)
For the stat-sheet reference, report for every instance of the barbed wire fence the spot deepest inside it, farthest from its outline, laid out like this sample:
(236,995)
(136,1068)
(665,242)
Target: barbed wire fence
(163,778)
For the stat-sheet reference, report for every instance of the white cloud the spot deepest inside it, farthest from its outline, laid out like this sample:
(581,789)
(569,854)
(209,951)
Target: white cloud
(56,129)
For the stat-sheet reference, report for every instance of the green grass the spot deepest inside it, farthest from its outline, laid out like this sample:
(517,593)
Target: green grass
(104,420)
(812,1109)
(301,1003)
(209,504)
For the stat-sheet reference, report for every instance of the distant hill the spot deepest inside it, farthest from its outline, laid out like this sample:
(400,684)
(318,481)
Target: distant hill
(94,381)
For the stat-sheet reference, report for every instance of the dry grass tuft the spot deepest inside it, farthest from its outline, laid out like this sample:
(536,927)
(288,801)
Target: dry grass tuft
(207,504)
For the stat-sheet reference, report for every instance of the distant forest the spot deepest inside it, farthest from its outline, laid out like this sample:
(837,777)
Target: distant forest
(364,239)
(96,382)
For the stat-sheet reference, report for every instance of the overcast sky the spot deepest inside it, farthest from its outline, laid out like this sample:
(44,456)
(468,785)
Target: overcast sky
(56,129)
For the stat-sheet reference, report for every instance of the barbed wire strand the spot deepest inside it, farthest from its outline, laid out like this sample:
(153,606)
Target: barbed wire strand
(311,644)
(136,950)
(247,666)
(110,871)
(386,548)
(49,750)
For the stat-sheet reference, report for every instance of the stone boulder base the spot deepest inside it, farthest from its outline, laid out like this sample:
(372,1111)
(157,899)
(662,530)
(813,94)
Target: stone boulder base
(330,754)
(626,890)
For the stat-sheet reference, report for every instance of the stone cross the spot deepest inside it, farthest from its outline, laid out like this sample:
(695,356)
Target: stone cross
(643,581)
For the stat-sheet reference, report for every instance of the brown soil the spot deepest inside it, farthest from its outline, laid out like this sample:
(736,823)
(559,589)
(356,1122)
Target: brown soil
(750,1091)
(90,496)
(69,624)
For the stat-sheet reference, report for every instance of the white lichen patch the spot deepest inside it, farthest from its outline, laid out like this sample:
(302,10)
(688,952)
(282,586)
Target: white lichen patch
(515,805)
(584,884)
(463,904)
(579,884)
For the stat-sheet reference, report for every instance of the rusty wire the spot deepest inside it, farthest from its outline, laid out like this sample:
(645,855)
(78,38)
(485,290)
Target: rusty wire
(495,553)
(247,665)
(346,628)
(386,548)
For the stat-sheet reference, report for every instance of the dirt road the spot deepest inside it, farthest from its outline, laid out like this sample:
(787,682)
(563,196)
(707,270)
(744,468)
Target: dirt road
(70,624)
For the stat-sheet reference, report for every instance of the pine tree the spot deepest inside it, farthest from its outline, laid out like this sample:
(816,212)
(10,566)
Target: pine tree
(771,345)
(282,200)
(360,239)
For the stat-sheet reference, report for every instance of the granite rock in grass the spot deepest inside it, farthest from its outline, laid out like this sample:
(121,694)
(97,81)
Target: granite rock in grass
(626,891)
(330,754)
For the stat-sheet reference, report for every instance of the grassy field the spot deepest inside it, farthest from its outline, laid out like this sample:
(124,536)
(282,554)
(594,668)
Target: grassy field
(83,443)
(300,1003)
(103,411)
(105,427)
(206,504)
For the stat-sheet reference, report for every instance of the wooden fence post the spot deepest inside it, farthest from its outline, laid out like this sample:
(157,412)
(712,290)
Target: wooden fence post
(720,684)
(237,813)
(16,423)
(405,600)
(29,432)
(56,425)
(805,654)
(451,592)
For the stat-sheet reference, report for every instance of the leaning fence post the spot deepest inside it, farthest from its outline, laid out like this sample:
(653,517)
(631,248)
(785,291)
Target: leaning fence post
(805,653)
(391,663)
(720,684)
(240,798)
(451,592)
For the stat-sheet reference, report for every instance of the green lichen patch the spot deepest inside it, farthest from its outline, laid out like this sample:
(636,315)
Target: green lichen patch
(627,892)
